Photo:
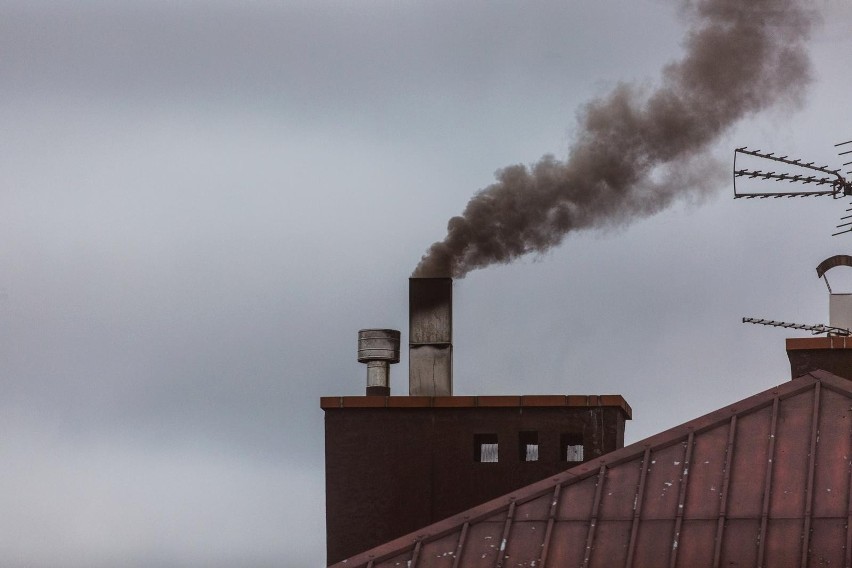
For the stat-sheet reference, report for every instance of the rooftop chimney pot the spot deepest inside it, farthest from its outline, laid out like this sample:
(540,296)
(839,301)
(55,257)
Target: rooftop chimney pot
(378,348)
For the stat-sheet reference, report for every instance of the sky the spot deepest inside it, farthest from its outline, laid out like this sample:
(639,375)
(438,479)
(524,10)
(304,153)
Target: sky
(202,202)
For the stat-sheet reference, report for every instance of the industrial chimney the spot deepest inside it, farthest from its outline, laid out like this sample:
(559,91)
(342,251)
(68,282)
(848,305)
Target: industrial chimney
(430,336)
(394,464)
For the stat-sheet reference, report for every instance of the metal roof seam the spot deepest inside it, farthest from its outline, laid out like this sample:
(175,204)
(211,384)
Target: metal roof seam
(681,500)
(551,519)
(501,551)
(767,484)
(848,555)
(415,556)
(590,537)
(460,546)
(809,490)
(637,507)
(723,496)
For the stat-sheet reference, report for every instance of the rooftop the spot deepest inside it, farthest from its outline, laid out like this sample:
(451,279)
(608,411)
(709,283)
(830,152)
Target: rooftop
(765,481)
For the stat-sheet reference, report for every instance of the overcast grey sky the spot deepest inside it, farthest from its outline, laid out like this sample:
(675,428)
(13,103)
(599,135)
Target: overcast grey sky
(202,202)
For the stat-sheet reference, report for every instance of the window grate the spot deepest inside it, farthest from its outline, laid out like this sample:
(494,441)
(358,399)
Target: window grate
(485,448)
(571,444)
(489,453)
(574,453)
(528,446)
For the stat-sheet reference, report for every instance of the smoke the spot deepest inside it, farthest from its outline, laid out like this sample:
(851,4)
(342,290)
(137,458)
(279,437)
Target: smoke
(637,151)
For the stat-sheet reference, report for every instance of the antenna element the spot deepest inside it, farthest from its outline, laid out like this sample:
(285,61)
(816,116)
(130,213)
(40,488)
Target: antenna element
(816,329)
(825,181)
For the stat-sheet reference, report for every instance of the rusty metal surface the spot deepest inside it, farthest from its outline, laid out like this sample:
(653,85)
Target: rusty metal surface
(831,262)
(430,351)
(763,482)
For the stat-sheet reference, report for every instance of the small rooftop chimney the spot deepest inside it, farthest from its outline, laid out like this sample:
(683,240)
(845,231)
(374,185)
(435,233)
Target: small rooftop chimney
(832,353)
(378,348)
(430,336)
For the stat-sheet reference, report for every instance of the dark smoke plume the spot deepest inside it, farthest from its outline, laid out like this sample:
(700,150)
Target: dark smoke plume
(636,152)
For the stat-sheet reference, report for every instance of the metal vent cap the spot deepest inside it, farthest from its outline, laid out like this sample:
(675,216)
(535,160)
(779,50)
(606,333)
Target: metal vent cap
(378,345)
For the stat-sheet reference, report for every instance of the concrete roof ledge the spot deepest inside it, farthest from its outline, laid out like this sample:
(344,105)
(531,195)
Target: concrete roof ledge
(525,401)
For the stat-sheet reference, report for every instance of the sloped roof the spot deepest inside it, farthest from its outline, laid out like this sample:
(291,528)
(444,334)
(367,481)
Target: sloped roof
(762,482)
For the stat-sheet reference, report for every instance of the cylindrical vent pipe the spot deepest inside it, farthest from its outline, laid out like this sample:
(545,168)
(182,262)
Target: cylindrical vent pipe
(378,348)
(839,303)
(430,348)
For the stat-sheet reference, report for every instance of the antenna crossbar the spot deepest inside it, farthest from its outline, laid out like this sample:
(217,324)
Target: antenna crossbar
(816,329)
(786,160)
(776,195)
(785,177)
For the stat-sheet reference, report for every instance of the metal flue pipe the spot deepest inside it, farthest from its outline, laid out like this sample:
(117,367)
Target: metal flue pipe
(378,348)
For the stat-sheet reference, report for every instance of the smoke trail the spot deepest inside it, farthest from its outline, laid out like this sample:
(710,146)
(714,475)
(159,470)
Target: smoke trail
(636,152)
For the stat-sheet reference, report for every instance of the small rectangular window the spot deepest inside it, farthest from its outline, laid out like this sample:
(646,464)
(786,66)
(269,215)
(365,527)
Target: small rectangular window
(528,446)
(572,447)
(485,448)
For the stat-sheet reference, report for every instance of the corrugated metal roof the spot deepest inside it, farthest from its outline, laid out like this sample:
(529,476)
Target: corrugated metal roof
(763,482)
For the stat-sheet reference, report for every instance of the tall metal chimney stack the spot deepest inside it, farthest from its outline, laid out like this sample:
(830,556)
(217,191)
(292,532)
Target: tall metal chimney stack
(430,336)
(378,348)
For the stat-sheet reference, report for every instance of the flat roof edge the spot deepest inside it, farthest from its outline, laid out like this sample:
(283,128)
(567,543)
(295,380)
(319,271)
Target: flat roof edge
(519,401)
(808,343)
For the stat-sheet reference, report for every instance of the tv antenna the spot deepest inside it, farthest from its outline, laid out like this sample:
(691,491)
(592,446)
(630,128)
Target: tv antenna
(816,329)
(823,180)
(839,305)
